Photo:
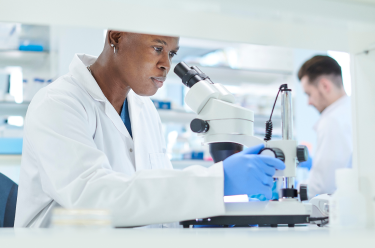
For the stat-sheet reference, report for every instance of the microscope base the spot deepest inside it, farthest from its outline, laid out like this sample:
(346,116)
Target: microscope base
(237,220)
(273,213)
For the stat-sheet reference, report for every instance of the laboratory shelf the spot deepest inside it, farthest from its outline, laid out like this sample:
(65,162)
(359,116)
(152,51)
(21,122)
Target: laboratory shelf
(22,58)
(174,116)
(166,115)
(12,108)
(9,160)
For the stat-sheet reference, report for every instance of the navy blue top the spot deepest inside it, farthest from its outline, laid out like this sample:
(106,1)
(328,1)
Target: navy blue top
(126,117)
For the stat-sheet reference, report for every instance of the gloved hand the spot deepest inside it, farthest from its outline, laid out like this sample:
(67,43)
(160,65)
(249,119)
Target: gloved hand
(248,173)
(307,164)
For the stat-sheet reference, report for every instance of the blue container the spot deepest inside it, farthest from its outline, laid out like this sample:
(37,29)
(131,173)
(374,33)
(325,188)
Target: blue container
(10,146)
(197,155)
(161,104)
(31,48)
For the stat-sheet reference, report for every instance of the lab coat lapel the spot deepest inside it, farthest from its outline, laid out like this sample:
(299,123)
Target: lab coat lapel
(84,77)
(136,106)
(112,114)
(136,110)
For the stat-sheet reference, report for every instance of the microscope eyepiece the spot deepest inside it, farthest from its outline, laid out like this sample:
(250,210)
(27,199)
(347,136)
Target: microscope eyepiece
(189,75)
(181,69)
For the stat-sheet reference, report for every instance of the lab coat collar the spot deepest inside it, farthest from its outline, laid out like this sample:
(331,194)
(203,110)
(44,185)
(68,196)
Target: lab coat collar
(342,100)
(78,68)
(331,108)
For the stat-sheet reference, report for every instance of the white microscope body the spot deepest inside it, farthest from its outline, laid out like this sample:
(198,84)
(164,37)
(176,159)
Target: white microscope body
(220,121)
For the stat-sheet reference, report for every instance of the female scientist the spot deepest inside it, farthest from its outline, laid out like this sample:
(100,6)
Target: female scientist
(93,139)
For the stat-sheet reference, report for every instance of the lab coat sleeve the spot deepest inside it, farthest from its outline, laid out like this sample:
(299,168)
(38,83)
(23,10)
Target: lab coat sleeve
(333,152)
(78,175)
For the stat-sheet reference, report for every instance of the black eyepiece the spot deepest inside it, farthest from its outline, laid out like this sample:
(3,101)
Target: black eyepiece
(189,75)
(181,69)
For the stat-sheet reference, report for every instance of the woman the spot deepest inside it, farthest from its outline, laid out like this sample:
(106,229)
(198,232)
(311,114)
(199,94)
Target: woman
(93,140)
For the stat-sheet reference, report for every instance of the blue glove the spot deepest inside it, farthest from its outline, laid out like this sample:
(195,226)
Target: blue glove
(307,164)
(248,173)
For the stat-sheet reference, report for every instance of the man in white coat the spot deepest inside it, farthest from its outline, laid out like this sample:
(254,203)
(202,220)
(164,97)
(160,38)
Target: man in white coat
(93,139)
(321,79)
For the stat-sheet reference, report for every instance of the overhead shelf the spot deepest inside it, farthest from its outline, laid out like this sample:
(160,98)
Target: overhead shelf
(21,58)
(166,116)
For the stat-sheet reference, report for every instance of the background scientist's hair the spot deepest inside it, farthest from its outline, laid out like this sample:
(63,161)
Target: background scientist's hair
(320,65)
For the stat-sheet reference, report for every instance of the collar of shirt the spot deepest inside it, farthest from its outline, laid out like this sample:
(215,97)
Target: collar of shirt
(331,109)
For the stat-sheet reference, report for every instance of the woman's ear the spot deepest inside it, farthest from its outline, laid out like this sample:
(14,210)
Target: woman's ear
(114,37)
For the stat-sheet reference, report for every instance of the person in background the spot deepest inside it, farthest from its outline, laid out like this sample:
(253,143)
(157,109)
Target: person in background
(321,79)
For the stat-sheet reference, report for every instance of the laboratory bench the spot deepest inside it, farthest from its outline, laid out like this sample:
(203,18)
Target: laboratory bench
(300,236)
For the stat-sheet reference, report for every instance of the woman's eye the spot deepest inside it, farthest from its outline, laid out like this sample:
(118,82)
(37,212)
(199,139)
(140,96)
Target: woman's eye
(172,54)
(158,49)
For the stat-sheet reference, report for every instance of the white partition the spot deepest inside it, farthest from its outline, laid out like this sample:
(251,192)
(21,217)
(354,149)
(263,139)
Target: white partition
(311,24)
(364,124)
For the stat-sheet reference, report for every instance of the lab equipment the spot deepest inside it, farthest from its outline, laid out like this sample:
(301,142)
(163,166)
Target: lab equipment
(258,182)
(320,209)
(194,155)
(26,46)
(347,204)
(226,128)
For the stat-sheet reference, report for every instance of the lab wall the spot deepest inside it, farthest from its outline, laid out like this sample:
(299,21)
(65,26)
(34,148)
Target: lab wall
(67,41)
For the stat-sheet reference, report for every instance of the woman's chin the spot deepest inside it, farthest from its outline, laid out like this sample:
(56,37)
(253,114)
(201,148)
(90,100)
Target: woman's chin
(149,92)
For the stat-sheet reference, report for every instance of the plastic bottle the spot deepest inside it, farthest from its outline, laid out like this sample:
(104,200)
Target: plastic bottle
(347,204)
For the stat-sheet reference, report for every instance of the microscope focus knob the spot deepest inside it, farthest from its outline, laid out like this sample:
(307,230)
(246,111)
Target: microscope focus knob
(199,126)
(303,192)
(302,153)
(273,152)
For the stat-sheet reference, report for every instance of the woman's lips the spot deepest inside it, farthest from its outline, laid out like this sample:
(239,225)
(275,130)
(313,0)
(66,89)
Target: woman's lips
(158,81)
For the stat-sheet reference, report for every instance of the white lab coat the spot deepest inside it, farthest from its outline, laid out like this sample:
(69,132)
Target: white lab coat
(334,147)
(77,153)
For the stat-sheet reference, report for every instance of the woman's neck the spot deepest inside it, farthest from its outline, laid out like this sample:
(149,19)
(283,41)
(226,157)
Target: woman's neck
(113,88)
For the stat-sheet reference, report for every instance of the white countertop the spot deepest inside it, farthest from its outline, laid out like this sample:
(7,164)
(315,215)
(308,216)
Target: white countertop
(305,236)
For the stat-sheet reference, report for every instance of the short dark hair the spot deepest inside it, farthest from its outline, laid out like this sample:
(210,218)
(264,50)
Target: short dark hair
(321,65)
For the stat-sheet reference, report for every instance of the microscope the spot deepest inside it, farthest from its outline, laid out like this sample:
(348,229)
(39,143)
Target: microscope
(227,128)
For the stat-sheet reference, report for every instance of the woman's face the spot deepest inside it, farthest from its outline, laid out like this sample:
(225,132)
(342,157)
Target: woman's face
(143,61)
